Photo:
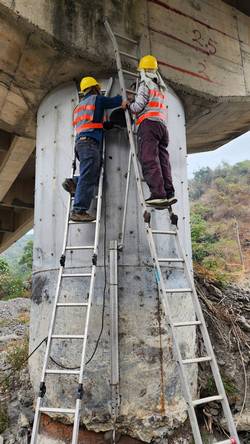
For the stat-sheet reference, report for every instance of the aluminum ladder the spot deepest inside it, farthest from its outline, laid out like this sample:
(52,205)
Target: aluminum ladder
(84,305)
(166,293)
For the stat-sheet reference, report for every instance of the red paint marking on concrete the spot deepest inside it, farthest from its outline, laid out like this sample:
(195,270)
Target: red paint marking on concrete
(177,11)
(204,51)
(186,71)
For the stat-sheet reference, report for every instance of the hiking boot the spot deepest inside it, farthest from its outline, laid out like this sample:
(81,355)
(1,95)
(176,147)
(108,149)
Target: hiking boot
(172,200)
(156,201)
(82,217)
(69,186)
(167,204)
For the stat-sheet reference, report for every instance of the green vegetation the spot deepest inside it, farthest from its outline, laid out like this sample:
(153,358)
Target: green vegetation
(17,353)
(229,386)
(4,420)
(220,203)
(15,277)
(26,259)
(16,359)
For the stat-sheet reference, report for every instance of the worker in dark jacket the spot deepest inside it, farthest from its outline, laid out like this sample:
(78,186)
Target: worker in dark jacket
(88,123)
(150,109)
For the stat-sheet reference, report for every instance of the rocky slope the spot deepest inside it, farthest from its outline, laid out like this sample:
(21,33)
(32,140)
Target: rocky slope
(16,394)
(227,313)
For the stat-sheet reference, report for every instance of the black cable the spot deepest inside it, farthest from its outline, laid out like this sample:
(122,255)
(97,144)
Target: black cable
(104,265)
(105,283)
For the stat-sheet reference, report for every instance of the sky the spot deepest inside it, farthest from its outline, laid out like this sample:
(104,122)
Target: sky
(233,152)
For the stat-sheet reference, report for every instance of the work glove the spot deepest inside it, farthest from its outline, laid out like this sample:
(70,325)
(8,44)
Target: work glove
(108,125)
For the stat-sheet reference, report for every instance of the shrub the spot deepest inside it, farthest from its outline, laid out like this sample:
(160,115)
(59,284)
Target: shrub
(17,353)
(4,420)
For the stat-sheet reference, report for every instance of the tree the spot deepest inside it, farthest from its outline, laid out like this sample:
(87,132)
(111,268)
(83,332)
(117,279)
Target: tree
(4,266)
(11,285)
(27,257)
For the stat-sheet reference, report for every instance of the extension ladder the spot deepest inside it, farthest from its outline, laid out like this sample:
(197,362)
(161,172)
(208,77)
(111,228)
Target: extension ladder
(166,293)
(84,305)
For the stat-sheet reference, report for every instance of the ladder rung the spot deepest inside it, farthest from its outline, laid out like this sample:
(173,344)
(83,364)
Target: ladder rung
(186,324)
(126,54)
(178,290)
(206,400)
(125,38)
(84,247)
(169,259)
(77,275)
(163,232)
(72,304)
(67,336)
(130,73)
(196,360)
(56,410)
(131,91)
(62,372)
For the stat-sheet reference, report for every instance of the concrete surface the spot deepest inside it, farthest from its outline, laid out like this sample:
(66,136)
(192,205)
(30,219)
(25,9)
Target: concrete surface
(203,47)
(152,404)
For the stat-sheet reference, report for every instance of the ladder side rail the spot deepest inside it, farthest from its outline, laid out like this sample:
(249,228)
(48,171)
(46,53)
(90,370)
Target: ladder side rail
(65,237)
(78,401)
(187,394)
(124,217)
(208,345)
(164,298)
(100,183)
(115,378)
(125,209)
(91,291)
(52,321)
(127,115)
(185,386)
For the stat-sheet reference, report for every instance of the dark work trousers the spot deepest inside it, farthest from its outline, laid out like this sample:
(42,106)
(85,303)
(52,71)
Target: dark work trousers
(154,158)
(90,155)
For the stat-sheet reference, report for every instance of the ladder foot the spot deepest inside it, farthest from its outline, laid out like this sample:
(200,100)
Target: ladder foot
(147,217)
(174,219)
(42,389)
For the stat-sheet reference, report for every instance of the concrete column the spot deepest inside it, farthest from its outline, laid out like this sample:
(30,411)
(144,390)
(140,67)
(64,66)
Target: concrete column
(151,401)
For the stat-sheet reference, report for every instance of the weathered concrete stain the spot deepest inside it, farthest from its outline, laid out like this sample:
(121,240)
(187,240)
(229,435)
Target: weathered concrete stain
(38,288)
(63,432)
(162,398)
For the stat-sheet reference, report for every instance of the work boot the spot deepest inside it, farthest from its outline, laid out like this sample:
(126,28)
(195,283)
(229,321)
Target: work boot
(82,217)
(172,200)
(69,186)
(156,201)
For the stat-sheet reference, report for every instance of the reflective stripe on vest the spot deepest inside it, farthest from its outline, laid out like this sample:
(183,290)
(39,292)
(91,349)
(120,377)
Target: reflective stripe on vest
(83,115)
(156,108)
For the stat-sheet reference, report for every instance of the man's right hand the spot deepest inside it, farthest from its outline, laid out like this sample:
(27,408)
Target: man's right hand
(125,104)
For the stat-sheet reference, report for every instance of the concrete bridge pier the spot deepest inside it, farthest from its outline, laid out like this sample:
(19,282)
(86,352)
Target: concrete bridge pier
(151,402)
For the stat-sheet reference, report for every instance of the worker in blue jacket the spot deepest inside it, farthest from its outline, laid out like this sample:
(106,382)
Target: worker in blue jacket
(88,119)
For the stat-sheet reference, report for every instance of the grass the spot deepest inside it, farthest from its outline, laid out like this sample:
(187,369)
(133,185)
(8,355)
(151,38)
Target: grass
(4,420)
(229,386)
(17,353)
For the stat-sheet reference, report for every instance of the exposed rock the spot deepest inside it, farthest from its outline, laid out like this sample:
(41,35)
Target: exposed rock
(227,314)
(16,392)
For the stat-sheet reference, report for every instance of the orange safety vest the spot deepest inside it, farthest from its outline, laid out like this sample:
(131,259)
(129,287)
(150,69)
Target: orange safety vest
(83,115)
(156,108)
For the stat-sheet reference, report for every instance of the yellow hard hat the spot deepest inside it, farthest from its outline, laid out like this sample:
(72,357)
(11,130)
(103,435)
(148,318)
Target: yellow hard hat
(148,62)
(87,82)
